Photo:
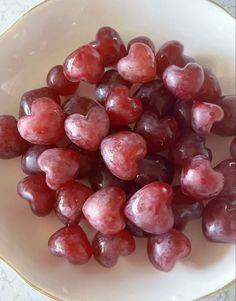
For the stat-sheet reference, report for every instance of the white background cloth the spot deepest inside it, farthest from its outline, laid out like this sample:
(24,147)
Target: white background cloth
(12,288)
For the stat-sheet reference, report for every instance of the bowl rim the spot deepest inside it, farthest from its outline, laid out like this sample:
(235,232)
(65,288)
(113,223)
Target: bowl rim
(27,281)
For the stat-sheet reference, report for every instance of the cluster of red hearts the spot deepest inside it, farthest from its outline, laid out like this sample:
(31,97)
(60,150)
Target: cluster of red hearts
(146,103)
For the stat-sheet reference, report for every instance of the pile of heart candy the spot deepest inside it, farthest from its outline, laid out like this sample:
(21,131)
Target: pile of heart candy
(146,103)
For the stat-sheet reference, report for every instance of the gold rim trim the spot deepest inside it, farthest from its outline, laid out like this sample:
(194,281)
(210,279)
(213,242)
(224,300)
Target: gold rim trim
(40,290)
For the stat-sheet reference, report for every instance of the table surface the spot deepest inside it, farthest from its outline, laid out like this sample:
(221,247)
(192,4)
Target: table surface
(12,287)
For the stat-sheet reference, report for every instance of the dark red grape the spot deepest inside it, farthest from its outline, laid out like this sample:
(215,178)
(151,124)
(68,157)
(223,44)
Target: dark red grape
(156,98)
(154,168)
(228,169)
(28,97)
(159,134)
(77,104)
(121,153)
(150,208)
(183,114)
(165,249)
(110,79)
(57,81)
(103,210)
(227,126)
(107,247)
(72,243)
(233,148)
(144,40)
(34,189)
(139,65)
(185,208)
(218,221)
(11,143)
(69,203)
(110,45)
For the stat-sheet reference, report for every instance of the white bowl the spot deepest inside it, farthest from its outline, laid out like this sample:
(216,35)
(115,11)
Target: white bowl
(43,38)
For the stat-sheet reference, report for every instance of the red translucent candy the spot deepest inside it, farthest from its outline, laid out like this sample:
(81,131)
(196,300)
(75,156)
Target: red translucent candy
(88,131)
(45,125)
(186,147)
(227,126)
(170,53)
(108,248)
(29,160)
(60,165)
(154,168)
(165,249)
(210,89)
(185,208)
(136,231)
(101,177)
(72,243)
(110,45)
(183,114)
(233,148)
(199,180)
(150,208)
(121,153)
(139,65)
(77,104)
(228,169)
(218,220)
(69,203)
(156,98)
(184,83)
(34,189)
(204,115)
(11,143)
(159,134)
(121,108)
(104,210)
(144,40)
(111,79)
(28,97)
(85,64)
(57,81)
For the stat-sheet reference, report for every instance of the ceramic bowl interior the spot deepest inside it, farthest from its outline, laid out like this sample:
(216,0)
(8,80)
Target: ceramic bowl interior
(43,38)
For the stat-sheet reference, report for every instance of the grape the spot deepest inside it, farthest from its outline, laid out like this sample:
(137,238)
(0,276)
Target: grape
(204,115)
(71,243)
(184,83)
(150,208)
(156,98)
(183,114)
(144,40)
(139,65)
(121,152)
(45,125)
(233,148)
(88,131)
(77,104)
(34,189)
(159,134)
(218,221)
(69,203)
(154,168)
(107,247)
(165,249)
(57,81)
(60,165)
(227,126)
(86,64)
(103,210)
(11,143)
(170,53)
(228,169)
(110,45)
(121,108)
(28,97)
(199,180)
